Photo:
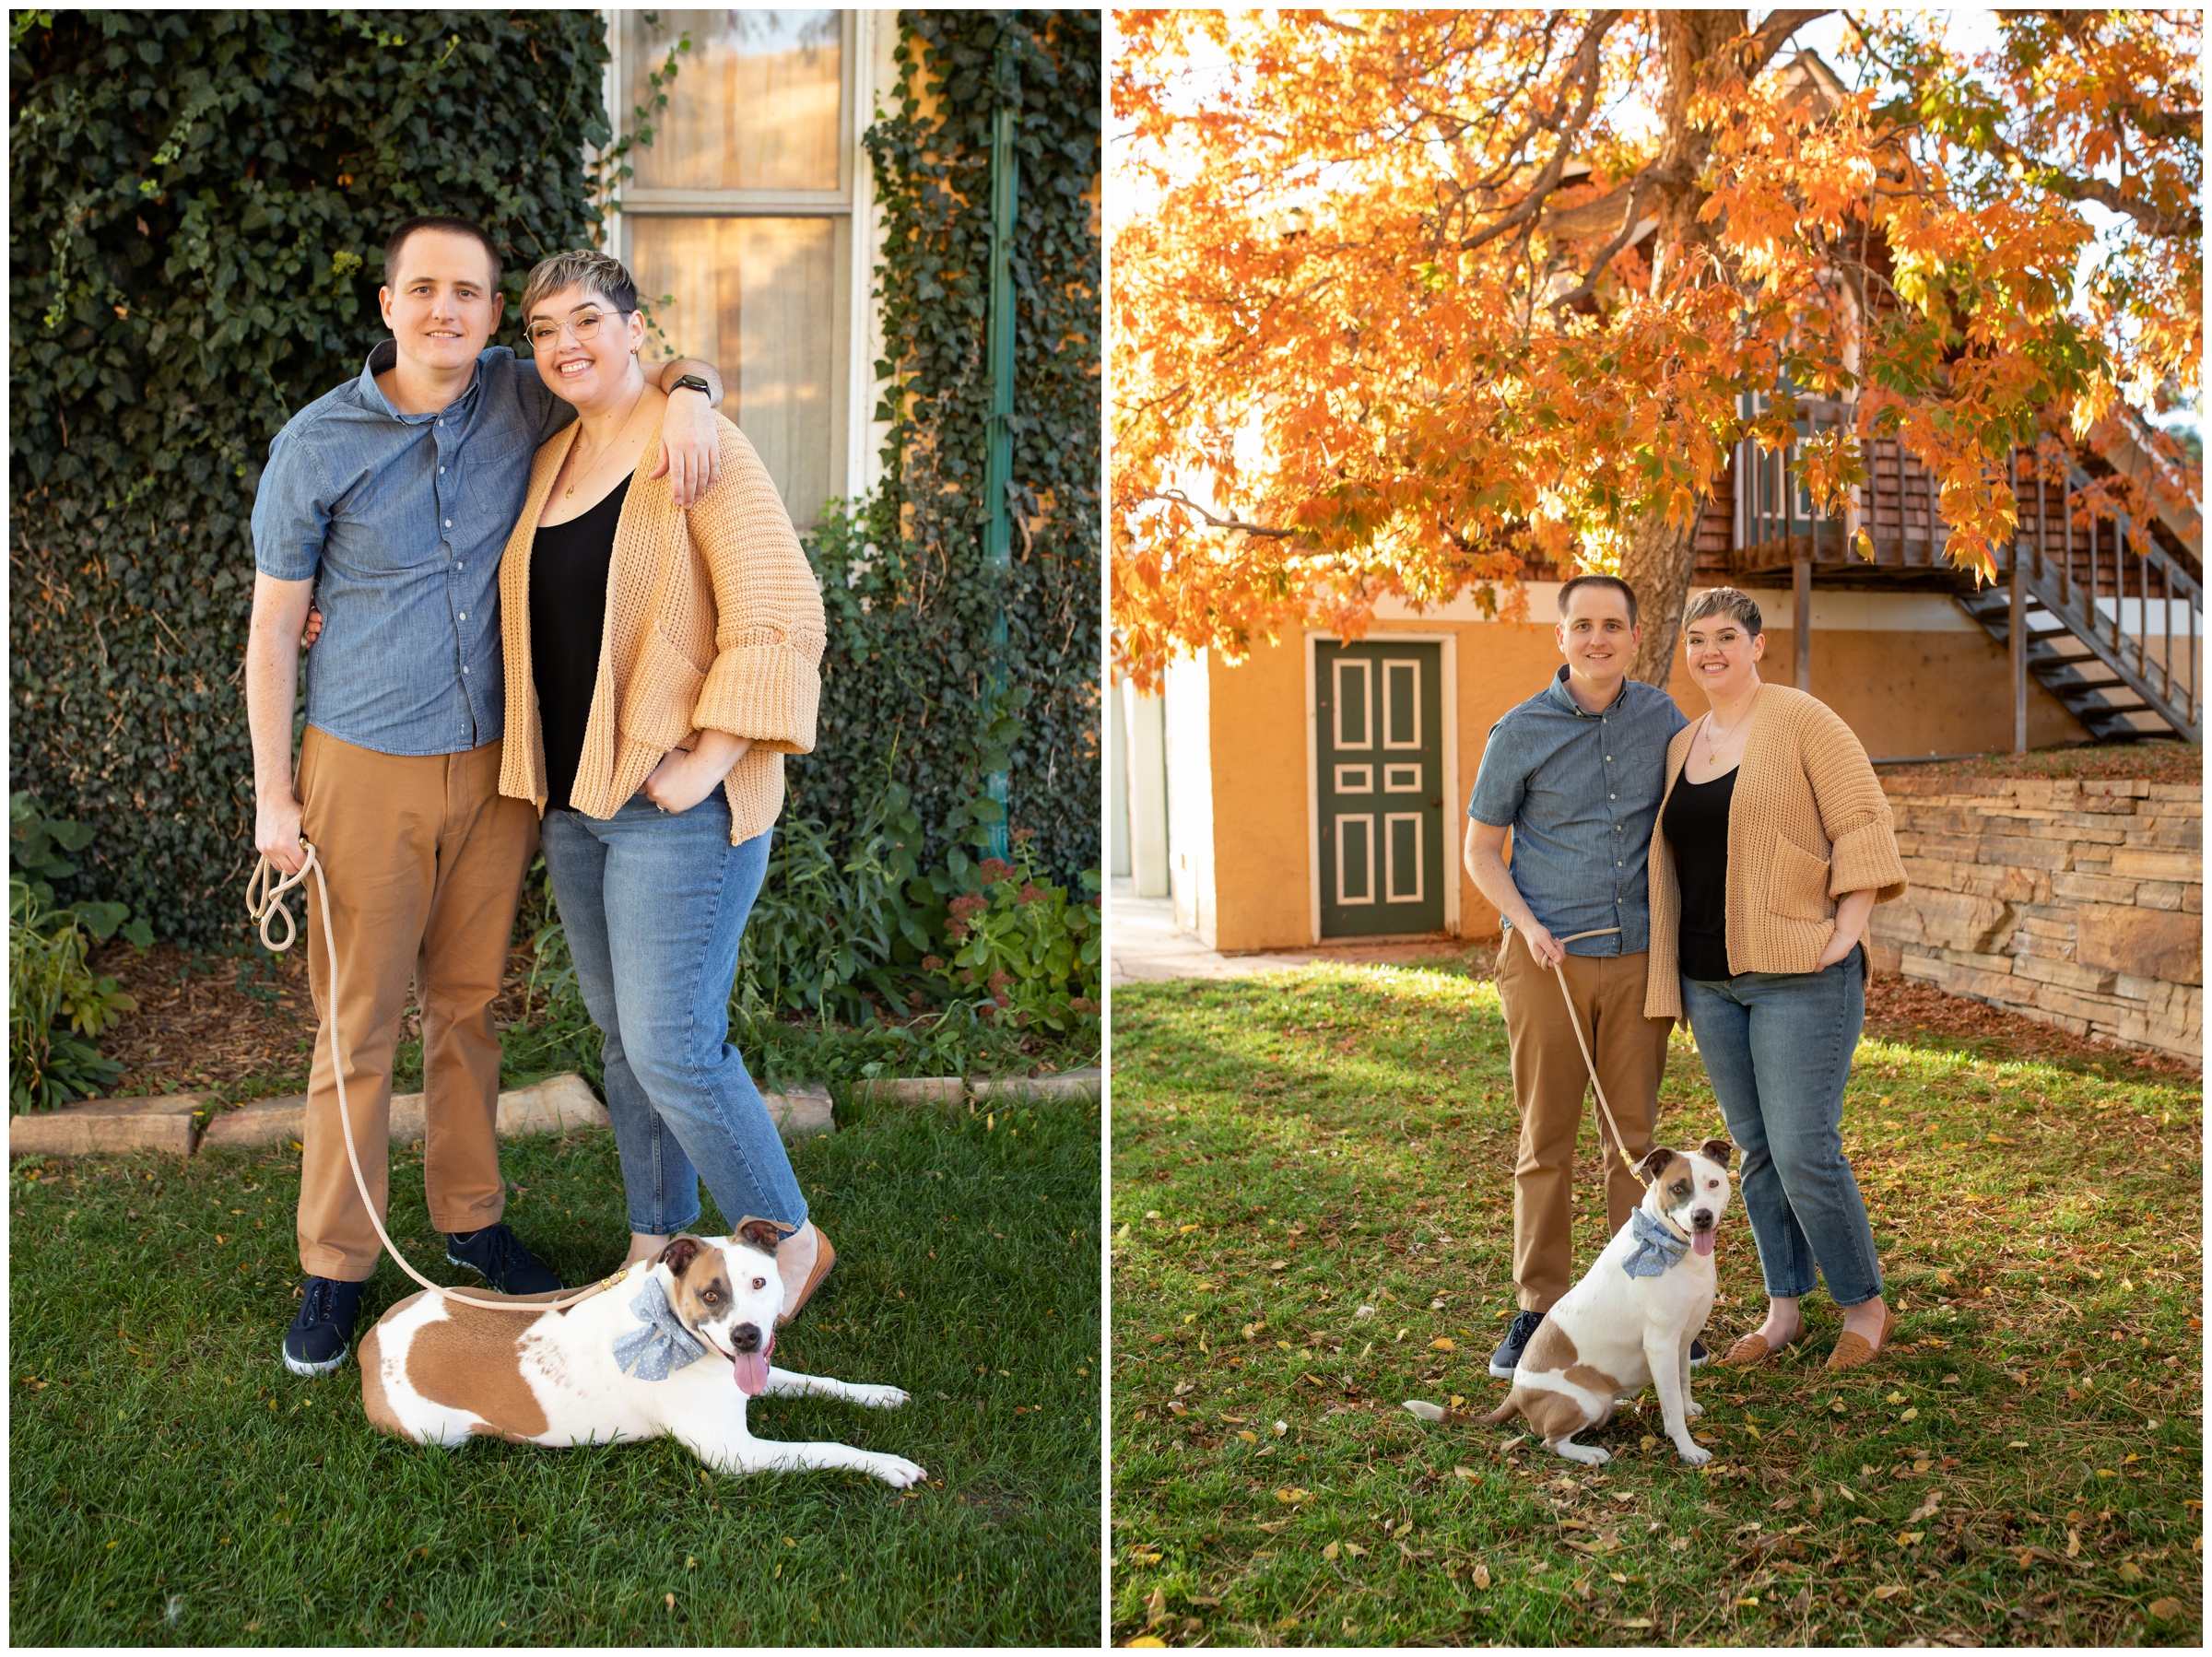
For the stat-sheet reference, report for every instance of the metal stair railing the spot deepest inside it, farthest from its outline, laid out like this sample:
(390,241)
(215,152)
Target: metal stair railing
(2077,573)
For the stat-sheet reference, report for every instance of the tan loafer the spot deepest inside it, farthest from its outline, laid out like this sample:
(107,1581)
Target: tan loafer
(824,1258)
(1852,1349)
(1753,1350)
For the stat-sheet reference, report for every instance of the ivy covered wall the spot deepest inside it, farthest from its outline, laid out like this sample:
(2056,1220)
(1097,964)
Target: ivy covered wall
(198,206)
(907,678)
(198,203)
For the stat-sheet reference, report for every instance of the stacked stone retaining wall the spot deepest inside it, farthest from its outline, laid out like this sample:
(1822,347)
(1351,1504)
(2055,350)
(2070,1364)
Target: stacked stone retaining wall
(2074,902)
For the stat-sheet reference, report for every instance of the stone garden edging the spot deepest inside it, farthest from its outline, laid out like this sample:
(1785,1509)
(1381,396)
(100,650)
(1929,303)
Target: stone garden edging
(171,1122)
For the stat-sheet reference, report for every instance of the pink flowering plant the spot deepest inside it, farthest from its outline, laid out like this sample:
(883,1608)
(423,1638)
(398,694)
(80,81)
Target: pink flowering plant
(1025,944)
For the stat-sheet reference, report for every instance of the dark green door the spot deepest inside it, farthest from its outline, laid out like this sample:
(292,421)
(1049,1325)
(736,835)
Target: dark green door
(1380,739)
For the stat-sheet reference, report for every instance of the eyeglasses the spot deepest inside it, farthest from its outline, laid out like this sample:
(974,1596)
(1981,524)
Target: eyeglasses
(583,324)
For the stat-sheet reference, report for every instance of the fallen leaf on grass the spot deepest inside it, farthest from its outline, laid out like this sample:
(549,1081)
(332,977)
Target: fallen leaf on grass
(1147,1643)
(1907,1538)
(1909,1415)
(1248,1436)
(1466,1473)
(1633,1622)
(1679,1545)
(1294,1496)
(1442,1345)
(1332,1551)
(2167,1611)
(1928,1504)
(1890,1591)
(2073,1542)
(2131,1572)
(1481,1578)
(1156,1608)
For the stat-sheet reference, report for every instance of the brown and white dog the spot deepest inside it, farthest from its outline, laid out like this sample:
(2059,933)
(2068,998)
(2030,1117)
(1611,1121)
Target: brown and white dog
(631,1362)
(1631,1317)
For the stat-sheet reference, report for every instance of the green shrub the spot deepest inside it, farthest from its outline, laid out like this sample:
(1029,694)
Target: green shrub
(1026,946)
(57,1005)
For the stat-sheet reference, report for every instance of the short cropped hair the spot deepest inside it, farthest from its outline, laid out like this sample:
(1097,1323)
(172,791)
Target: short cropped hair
(1724,600)
(602,277)
(395,242)
(1613,581)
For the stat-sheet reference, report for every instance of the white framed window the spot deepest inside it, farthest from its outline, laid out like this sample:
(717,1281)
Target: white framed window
(737,221)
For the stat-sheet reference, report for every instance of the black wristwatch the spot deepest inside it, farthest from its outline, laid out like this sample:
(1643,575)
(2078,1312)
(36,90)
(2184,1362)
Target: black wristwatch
(693,382)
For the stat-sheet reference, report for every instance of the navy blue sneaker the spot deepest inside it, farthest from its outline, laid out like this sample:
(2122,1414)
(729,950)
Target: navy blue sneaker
(321,1332)
(1697,1353)
(496,1255)
(1507,1359)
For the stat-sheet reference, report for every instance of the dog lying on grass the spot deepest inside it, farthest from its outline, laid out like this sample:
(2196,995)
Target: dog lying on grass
(1629,1321)
(627,1363)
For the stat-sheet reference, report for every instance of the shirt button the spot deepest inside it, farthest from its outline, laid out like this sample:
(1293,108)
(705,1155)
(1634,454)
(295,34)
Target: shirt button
(449,523)
(464,670)
(442,474)
(465,614)
(1612,796)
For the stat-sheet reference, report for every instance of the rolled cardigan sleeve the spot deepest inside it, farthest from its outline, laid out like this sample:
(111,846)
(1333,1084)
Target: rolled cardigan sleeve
(1855,813)
(765,684)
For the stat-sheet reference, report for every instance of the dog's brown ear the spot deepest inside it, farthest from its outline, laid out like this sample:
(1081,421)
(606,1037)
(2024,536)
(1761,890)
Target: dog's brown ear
(1653,1164)
(1719,1150)
(679,1255)
(761,1234)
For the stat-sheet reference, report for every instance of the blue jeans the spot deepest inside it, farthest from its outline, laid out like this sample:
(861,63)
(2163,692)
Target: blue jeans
(1778,1046)
(654,906)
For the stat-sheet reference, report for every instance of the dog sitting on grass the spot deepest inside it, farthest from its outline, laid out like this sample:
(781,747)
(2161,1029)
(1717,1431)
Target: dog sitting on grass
(1629,1321)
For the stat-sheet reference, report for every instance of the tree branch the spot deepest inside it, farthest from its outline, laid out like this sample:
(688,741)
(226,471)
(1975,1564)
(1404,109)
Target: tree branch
(1177,498)
(1773,33)
(1584,67)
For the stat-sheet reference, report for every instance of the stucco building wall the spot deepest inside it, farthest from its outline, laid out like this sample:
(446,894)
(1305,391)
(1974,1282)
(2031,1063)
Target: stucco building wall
(1908,672)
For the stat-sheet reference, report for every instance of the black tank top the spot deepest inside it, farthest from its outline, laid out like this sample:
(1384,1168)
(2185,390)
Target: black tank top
(1696,825)
(568,564)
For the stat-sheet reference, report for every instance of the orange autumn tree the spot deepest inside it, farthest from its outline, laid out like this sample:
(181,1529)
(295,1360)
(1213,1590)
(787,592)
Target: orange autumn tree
(1403,300)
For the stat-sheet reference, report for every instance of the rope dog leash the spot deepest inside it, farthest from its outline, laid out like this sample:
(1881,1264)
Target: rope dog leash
(265,894)
(1557,969)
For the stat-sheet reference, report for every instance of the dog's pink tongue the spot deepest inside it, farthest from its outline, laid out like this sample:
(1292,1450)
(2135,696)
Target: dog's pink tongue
(752,1373)
(1701,1242)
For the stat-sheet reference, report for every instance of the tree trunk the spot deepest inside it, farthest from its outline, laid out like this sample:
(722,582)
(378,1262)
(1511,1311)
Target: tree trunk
(1657,563)
(1660,556)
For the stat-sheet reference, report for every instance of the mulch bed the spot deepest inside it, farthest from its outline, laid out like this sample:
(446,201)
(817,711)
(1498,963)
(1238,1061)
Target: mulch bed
(2178,762)
(241,1026)
(1908,1009)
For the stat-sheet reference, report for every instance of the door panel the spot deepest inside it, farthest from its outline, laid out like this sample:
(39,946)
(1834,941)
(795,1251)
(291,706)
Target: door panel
(1379,738)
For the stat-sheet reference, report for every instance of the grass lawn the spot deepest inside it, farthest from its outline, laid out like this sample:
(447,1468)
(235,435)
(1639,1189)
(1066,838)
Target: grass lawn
(2025,1469)
(171,1483)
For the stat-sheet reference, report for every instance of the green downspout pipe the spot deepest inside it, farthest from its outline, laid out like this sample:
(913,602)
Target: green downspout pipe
(998,462)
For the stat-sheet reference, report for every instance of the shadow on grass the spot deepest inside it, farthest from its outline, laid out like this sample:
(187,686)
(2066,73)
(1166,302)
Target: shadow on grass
(171,1483)
(1294,1149)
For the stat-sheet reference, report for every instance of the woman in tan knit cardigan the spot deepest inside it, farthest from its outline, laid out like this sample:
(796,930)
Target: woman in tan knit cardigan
(660,665)
(1773,845)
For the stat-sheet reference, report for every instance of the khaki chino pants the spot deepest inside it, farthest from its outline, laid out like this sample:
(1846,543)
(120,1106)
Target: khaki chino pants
(425,860)
(1550,1082)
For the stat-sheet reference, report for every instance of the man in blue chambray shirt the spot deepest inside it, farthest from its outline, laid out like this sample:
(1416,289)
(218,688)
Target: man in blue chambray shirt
(1576,774)
(389,500)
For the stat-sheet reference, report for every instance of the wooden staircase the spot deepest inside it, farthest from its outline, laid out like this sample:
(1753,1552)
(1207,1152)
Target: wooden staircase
(2112,622)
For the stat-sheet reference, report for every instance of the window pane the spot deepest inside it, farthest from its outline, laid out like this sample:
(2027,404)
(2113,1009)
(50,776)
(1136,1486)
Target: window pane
(754,105)
(756,298)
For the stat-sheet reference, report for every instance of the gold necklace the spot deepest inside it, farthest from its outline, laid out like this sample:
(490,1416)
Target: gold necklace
(1713,742)
(577,474)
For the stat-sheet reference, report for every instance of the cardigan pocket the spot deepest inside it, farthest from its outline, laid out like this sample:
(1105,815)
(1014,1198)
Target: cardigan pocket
(662,696)
(1798,884)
